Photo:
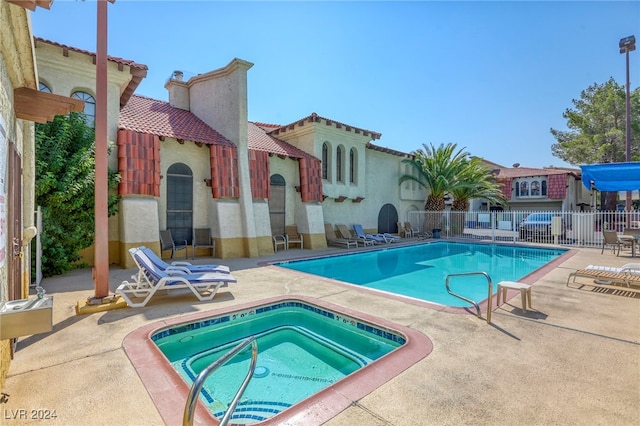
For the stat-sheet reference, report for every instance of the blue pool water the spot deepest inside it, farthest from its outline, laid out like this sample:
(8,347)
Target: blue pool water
(302,349)
(420,271)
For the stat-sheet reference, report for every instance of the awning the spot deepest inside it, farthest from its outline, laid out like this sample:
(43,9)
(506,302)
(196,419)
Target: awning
(612,177)
(34,105)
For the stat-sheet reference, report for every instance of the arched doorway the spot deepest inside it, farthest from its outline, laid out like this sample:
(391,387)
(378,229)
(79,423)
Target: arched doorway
(180,202)
(277,204)
(388,219)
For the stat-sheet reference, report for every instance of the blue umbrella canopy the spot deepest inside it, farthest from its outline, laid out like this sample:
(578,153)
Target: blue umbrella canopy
(612,176)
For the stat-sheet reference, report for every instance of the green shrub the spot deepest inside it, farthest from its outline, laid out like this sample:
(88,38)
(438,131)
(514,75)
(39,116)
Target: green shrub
(65,187)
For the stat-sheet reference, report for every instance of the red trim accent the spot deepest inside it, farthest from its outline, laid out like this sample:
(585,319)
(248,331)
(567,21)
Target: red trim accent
(259,173)
(310,179)
(138,163)
(224,171)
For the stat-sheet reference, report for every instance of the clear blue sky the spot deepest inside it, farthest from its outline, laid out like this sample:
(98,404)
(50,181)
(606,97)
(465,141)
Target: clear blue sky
(491,76)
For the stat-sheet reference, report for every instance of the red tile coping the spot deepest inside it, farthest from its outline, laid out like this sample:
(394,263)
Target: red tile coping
(169,391)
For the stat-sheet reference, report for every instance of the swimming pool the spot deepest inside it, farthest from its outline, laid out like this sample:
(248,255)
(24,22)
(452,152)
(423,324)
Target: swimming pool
(309,351)
(420,271)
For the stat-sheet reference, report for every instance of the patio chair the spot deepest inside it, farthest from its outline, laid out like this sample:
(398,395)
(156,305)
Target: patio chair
(611,239)
(279,240)
(167,243)
(180,267)
(411,230)
(403,231)
(332,238)
(293,237)
(202,239)
(416,232)
(151,279)
(375,238)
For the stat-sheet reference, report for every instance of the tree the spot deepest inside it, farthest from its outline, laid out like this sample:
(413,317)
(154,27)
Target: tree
(597,126)
(597,129)
(437,170)
(475,181)
(65,186)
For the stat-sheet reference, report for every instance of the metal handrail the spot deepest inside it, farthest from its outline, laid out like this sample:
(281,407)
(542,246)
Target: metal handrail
(489,297)
(192,398)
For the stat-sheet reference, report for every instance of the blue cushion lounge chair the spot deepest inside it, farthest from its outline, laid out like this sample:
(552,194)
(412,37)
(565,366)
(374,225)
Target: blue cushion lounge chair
(376,238)
(392,238)
(150,279)
(181,267)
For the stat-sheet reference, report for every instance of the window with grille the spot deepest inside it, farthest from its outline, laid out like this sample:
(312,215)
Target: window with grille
(180,201)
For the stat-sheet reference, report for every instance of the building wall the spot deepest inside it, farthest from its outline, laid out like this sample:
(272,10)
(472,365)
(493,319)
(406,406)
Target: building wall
(17,69)
(76,72)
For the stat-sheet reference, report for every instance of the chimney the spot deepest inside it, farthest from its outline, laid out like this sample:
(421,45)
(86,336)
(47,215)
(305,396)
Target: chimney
(178,91)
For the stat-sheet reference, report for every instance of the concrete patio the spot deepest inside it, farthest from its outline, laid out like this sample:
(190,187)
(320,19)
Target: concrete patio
(573,360)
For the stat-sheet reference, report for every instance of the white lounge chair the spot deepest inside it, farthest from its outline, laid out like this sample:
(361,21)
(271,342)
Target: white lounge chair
(628,267)
(180,267)
(151,279)
(604,276)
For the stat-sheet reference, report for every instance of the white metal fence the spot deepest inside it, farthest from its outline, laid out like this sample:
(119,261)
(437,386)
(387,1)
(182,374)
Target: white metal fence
(574,228)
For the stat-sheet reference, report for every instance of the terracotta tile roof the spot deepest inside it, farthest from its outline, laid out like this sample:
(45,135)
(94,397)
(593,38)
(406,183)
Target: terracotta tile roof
(260,140)
(146,115)
(138,71)
(387,150)
(516,172)
(315,118)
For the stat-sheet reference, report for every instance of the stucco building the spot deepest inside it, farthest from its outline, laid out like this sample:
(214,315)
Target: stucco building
(196,161)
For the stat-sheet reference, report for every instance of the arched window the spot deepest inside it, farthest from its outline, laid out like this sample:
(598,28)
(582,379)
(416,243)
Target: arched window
(352,165)
(89,107)
(339,156)
(325,161)
(44,88)
(532,187)
(180,201)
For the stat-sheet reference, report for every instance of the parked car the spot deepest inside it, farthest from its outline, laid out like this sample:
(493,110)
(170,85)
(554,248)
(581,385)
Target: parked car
(537,227)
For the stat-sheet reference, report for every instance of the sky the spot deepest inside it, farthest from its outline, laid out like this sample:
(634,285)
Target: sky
(492,77)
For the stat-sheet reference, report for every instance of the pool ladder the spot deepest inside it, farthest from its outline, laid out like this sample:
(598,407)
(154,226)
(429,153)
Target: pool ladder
(489,297)
(192,398)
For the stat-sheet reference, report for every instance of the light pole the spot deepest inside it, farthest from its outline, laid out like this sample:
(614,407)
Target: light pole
(628,44)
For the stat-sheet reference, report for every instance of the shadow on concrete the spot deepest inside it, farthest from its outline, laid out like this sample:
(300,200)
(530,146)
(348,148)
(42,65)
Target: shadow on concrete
(165,305)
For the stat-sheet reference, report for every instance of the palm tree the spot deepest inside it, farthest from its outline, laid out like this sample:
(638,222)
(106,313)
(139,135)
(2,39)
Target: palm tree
(475,181)
(437,170)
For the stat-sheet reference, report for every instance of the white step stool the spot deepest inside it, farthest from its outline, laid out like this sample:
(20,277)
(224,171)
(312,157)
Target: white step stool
(525,292)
